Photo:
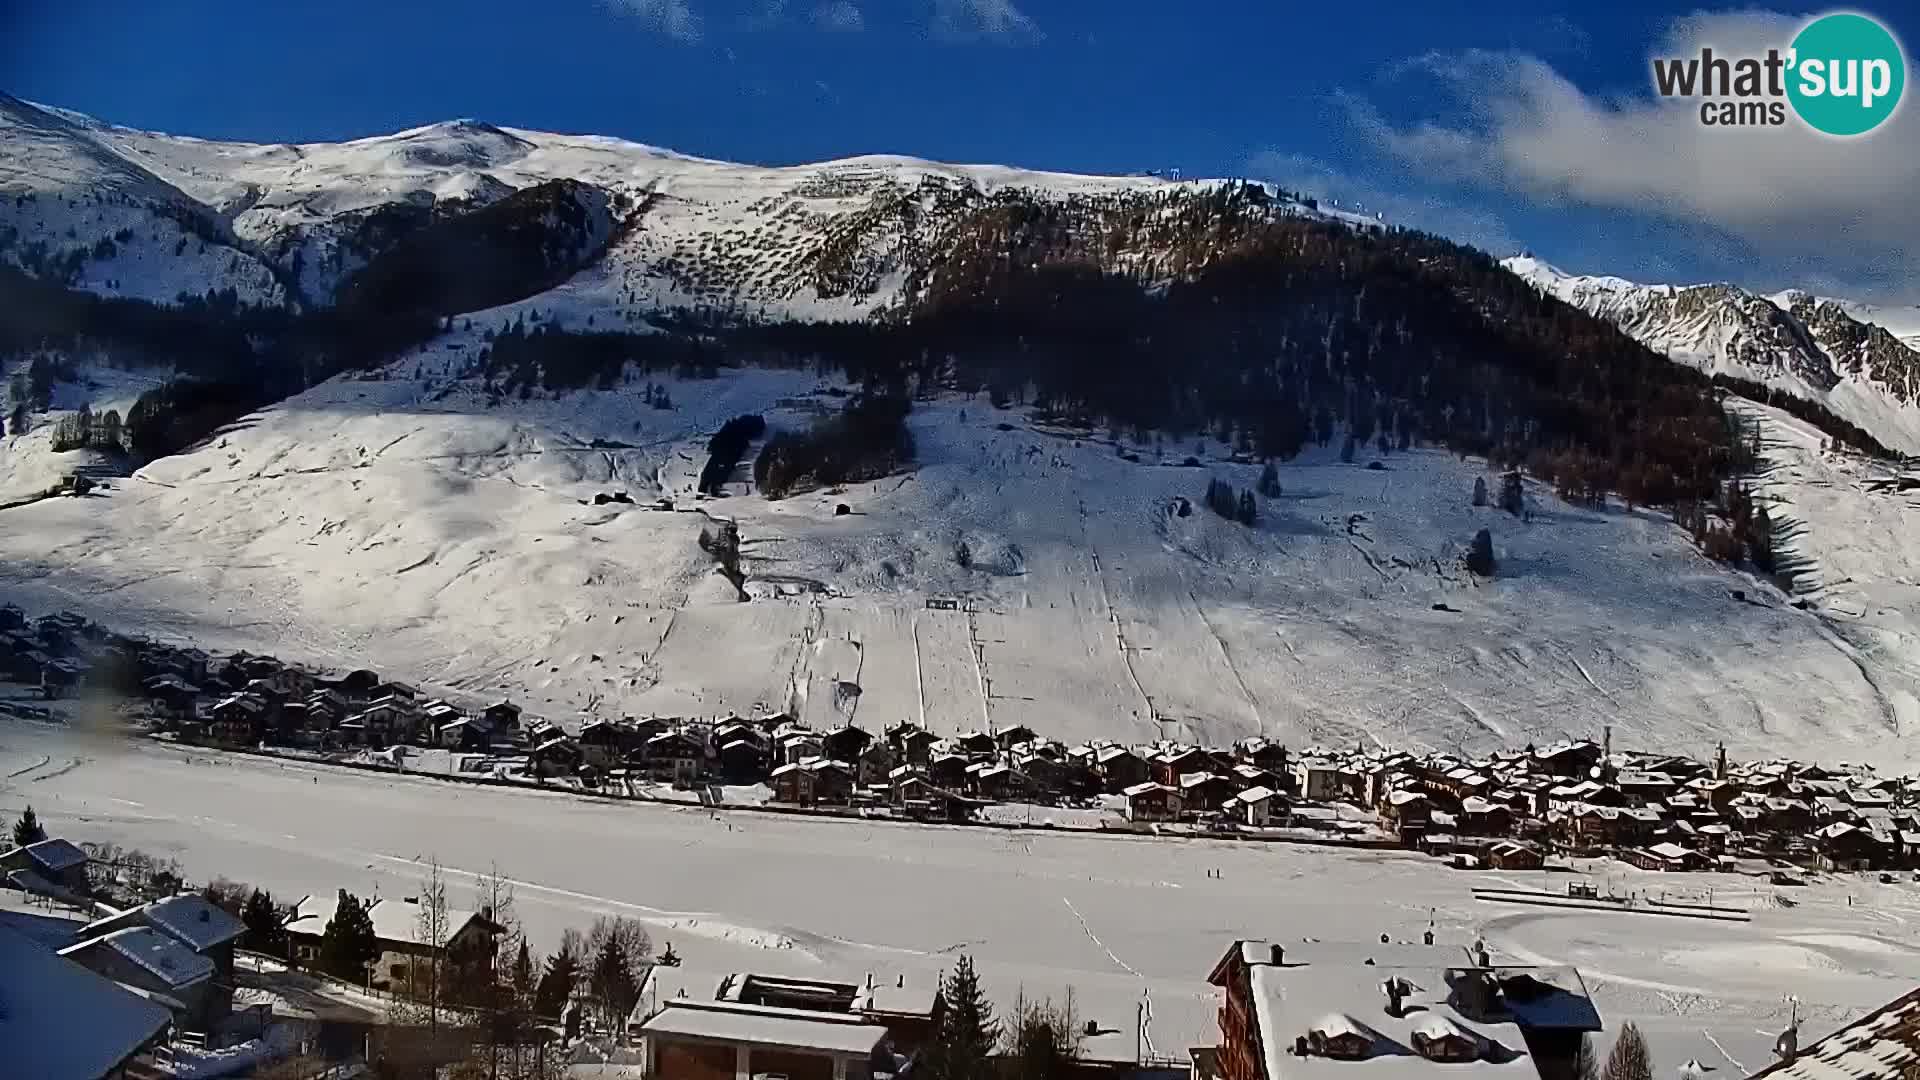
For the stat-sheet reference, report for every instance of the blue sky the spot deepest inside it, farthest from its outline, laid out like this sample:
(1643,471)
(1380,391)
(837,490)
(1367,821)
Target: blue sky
(1505,124)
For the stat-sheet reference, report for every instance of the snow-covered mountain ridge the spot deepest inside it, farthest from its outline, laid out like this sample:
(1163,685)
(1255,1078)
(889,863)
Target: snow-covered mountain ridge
(1824,350)
(836,239)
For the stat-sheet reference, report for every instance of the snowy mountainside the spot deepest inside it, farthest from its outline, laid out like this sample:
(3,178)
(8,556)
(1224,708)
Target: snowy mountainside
(1819,349)
(834,239)
(1902,321)
(74,209)
(824,239)
(400,518)
(1850,523)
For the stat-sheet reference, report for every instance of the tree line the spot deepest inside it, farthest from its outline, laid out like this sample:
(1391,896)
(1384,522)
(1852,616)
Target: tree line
(227,358)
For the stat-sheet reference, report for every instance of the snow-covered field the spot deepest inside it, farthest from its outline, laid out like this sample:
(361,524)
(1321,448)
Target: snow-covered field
(1111,918)
(403,522)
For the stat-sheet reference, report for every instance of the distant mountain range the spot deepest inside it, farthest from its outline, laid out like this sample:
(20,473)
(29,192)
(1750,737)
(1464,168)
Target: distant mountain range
(1860,361)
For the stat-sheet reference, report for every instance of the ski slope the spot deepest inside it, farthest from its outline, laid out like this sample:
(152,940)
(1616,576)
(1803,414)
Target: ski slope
(400,520)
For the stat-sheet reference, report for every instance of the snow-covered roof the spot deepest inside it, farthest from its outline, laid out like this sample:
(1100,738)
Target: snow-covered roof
(1438,1026)
(731,1022)
(398,920)
(156,953)
(1144,788)
(1885,1042)
(54,855)
(1347,1000)
(393,920)
(888,998)
(191,919)
(59,1021)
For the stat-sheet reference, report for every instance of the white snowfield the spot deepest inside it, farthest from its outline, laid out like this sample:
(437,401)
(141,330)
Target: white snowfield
(403,523)
(1113,919)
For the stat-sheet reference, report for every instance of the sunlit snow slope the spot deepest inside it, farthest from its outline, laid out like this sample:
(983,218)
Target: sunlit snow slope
(402,522)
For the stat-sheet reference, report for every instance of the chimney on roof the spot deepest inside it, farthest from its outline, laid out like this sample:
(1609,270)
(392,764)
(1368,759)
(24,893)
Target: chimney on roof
(1092,1028)
(1278,955)
(1396,992)
(1787,1046)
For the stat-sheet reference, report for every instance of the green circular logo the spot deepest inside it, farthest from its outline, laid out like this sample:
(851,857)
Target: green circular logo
(1847,74)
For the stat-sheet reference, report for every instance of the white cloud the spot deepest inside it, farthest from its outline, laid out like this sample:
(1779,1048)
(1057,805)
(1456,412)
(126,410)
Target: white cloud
(839,15)
(673,18)
(1785,192)
(1310,176)
(976,19)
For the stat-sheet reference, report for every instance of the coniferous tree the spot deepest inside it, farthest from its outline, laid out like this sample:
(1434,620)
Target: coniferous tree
(1347,451)
(28,830)
(1480,491)
(348,945)
(1480,553)
(1270,482)
(106,431)
(1629,1059)
(265,931)
(1247,513)
(557,983)
(1513,493)
(523,969)
(965,1037)
(612,983)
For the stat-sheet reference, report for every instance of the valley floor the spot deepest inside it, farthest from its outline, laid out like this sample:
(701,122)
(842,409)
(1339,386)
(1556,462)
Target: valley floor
(1117,921)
